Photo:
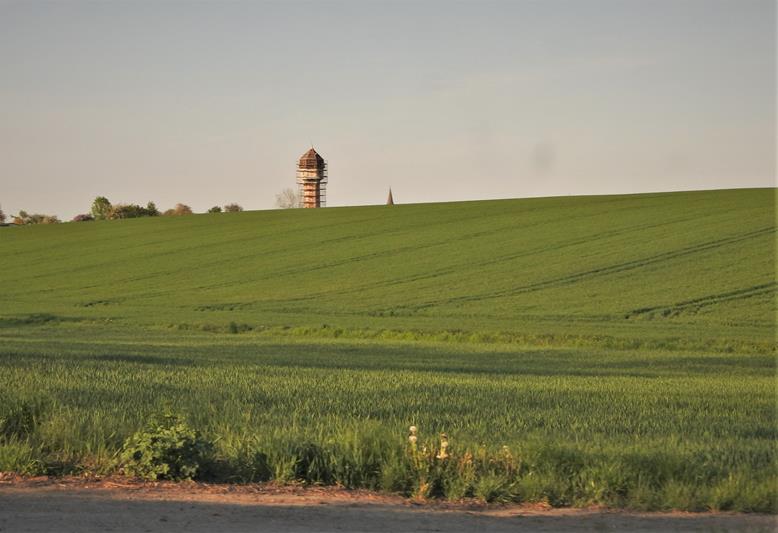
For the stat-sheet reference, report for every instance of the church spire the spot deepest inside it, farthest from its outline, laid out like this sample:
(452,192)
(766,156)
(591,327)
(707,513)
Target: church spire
(390,200)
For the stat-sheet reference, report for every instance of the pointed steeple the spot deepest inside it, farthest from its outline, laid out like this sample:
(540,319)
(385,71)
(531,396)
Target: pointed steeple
(390,200)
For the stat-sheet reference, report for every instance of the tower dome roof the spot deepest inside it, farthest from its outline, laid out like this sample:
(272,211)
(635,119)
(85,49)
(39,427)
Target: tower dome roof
(311,160)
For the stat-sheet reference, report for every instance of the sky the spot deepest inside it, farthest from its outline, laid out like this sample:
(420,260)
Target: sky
(207,103)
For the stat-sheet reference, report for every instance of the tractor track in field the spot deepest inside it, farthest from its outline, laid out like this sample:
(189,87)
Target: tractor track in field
(602,271)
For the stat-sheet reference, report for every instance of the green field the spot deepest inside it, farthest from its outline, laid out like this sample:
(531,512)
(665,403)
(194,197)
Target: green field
(621,347)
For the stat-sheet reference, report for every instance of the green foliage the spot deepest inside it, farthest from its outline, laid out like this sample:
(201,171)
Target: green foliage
(101,208)
(232,327)
(622,348)
(493,488)
(120,211)
(20,457)
(215,209)
(168,448)
(688,271)
(24,218)
(20,418)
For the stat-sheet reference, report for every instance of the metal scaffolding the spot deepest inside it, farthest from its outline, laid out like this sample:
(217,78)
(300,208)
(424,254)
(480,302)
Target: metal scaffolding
(312,180)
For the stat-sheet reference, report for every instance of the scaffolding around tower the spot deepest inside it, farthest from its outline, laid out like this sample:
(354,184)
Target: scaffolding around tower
(312,180)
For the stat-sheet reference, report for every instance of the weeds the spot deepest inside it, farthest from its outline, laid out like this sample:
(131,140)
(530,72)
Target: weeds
(168,448)
(21,418)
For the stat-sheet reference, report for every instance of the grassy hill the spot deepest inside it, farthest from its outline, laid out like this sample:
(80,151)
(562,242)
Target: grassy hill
(695,269)
(615,350)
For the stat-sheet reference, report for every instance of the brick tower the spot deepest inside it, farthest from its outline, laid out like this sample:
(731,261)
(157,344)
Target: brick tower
(312,179)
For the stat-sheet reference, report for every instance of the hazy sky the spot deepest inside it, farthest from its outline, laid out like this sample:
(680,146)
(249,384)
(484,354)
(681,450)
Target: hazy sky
(212,102)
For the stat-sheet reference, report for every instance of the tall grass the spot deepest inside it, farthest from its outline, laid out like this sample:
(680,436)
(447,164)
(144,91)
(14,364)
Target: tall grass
(652,430)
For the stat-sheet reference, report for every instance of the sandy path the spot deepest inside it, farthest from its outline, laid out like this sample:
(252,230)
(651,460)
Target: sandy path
(106,506)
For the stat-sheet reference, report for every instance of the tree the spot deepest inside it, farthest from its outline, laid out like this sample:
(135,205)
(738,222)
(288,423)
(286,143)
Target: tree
(182,209)
(2,216)
(120,211)
(287,199)
(101,208)
(215,209)
(24,218)
(232,208)
(178,210)
(83,218)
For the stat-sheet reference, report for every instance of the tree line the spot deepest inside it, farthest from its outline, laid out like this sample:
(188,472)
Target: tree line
(103,209)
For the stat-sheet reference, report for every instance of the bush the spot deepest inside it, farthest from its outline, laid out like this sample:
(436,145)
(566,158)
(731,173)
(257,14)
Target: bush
(133,211)
(24,218)
(83,218)
(232,208)
(168,448)
(178,210)
(215,209)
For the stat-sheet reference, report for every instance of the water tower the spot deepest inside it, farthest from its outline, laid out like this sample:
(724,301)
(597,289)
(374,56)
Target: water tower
(312,179)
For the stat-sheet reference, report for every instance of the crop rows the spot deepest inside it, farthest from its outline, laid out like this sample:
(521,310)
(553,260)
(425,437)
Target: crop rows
(612,350)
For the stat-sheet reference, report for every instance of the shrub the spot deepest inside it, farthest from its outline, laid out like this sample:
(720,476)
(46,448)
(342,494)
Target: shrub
(24,218)
(133,211)
(215,209)
(232,208)
(83,218)
(168,448)
(178,210)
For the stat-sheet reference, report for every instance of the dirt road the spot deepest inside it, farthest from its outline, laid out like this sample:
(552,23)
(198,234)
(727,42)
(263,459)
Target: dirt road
(78,506)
